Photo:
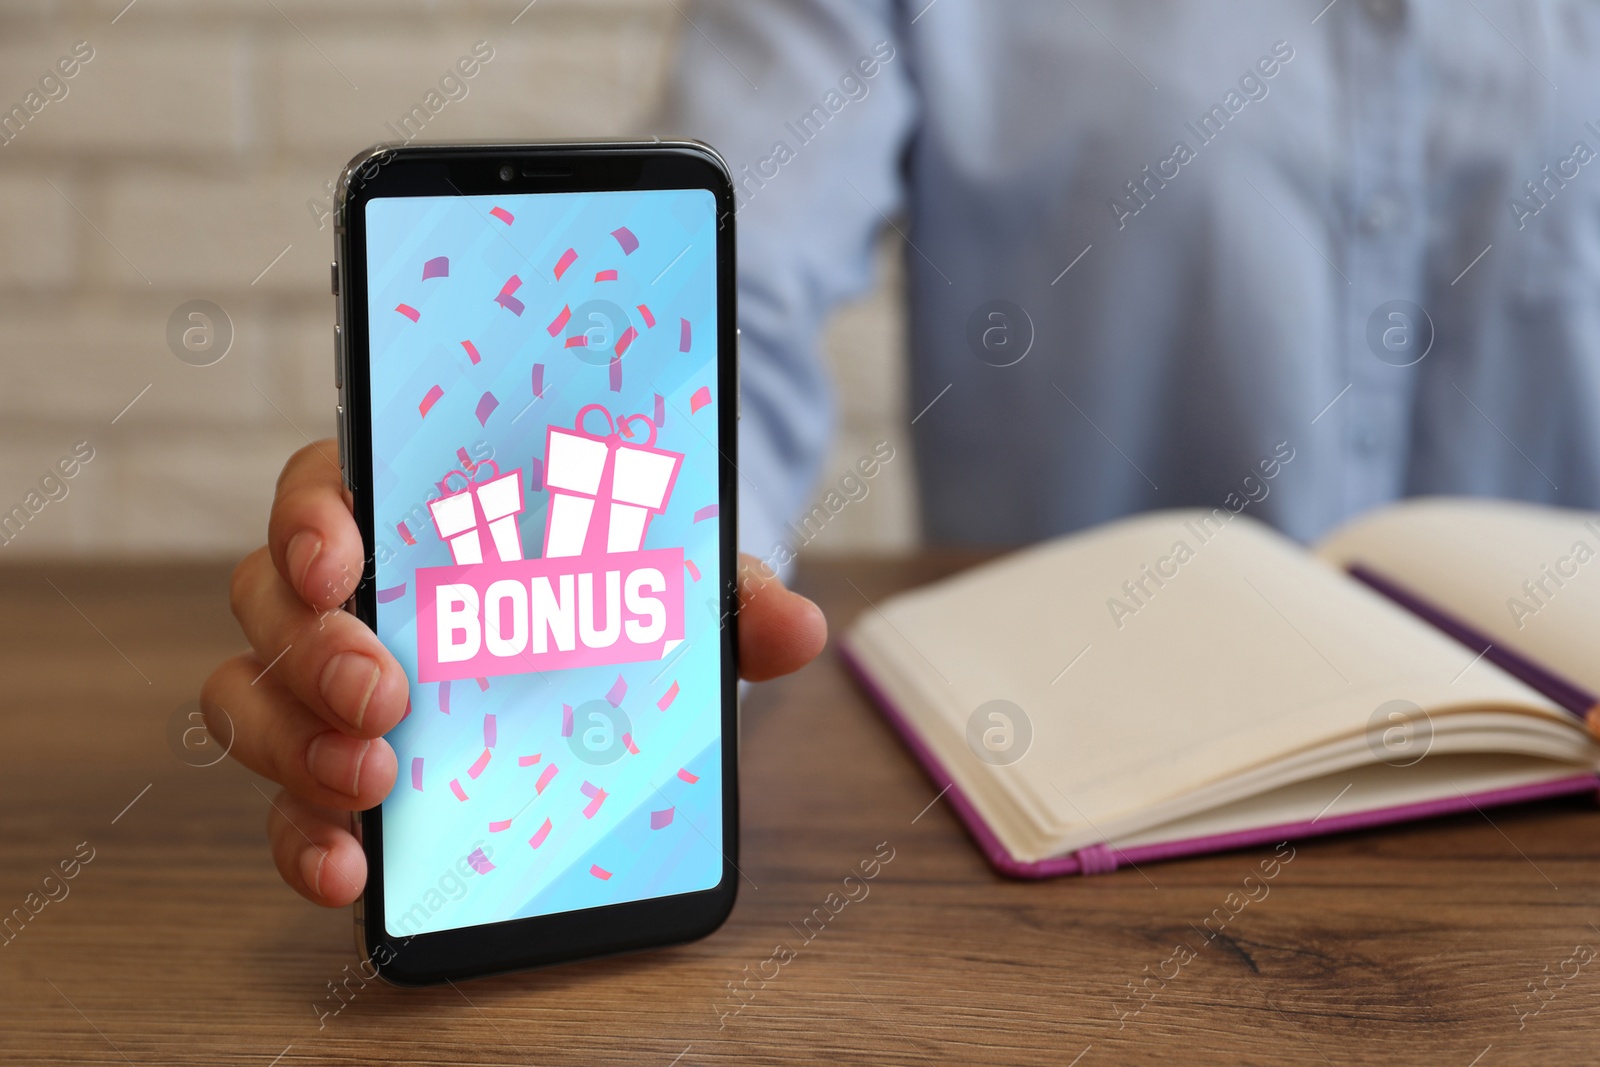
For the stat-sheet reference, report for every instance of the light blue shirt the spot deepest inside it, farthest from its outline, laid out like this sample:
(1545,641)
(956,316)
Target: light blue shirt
(1200,212)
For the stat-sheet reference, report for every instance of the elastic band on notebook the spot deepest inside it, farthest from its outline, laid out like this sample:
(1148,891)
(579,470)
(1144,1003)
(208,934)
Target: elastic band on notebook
(1097,859)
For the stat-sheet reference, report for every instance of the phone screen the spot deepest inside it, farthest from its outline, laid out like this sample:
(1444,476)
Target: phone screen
(544,401)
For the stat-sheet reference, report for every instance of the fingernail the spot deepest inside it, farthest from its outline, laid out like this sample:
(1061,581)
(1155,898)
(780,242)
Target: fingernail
(347,683)
(302,551)
(331,765)
(311,862)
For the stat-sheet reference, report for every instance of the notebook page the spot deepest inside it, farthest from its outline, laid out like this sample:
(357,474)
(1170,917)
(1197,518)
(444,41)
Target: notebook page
(1227,647)
(1524,575)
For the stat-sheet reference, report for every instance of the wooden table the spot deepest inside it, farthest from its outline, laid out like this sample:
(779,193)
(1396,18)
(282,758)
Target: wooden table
(177,944)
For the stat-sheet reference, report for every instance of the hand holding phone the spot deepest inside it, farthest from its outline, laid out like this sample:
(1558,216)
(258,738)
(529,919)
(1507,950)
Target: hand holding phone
(479,514)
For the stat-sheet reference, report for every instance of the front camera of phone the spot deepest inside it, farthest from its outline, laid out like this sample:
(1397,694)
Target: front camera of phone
(506,173)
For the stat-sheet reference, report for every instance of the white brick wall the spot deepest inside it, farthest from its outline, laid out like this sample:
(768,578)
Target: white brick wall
(178,166)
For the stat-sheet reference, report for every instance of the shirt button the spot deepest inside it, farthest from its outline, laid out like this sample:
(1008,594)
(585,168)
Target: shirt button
(1386,13)
(1383,212)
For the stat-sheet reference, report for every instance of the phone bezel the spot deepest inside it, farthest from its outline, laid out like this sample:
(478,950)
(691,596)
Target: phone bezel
(474,169)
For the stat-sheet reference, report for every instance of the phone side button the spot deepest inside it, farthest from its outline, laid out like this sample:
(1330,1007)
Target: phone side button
(333,277)
(338,357)
(344,460)
(738,374)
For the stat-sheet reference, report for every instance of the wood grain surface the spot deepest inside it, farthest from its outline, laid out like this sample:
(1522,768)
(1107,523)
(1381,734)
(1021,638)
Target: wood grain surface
(1464,941)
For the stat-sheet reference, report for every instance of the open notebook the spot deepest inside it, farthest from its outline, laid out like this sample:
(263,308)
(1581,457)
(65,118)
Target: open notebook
(1193,680)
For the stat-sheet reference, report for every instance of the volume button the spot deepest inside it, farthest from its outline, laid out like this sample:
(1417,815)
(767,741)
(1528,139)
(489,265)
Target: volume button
(344,457)
(338,357)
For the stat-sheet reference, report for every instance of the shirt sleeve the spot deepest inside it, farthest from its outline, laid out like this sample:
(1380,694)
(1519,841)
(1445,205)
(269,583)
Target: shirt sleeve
(811,104)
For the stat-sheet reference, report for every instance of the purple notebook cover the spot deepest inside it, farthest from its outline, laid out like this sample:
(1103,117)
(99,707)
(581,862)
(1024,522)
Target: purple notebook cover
(1103,858)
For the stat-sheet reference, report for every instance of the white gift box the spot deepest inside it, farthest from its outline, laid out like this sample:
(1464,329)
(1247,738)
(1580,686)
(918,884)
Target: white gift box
(493,505)
(604,490)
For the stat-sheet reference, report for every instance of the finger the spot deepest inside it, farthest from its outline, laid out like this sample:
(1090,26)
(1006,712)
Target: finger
(779,631)
(270,731)
(315,852)
(331,661)
(312,533)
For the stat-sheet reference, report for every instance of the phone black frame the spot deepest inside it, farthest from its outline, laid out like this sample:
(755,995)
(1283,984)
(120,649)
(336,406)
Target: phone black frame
(475,169)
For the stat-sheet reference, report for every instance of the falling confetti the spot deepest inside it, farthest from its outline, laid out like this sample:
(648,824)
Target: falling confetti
(701,397)
(694,572)
(544,778)
(683,772)
(619,689)
(616,374)
(660,820)
(416,773)
(661,412)
(559,323)
(566,260)
(566,720)
(580,340)
(479,764)
(529,761)
(666,701)
(431,399)
(437,267)
(683,335)
(649,319)
(538,380)
(503,215)
(605,276)
(536,474)
(409,312)
(626,239)
(479,861)
(499,826)
(391,594)
(538,839)
(486,405)
(628,337)
(509,302)
(405,533)
(472,352)
(710,511)
(597,797)
(628,743)
(490,731)
(455,787)
(600,872)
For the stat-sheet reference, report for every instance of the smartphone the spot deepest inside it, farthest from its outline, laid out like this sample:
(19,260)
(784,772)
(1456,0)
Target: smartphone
(537,373)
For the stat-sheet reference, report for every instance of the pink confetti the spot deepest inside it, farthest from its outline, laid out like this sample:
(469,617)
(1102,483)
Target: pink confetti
(683,335)
(472,352)
(616,374)
(694,572)
(444,697)
(619,689)
(566,720)
(683,772)
(628,337)
(538,839)
(437,267)
(416,773)
(503,215)
(627,743)
(529,761)
(701,397)
(605,276)
(509,302)
(478,765)
(428,401)
(483,684)
(409,312)
(599,797)
(565,261)
(544,779)
(455,787)
(666,701)
(580,340)
(661,412)
(536,474)
(560,321)
(626,239)
(486,405)
(405,534)
(538,380)
(490,731)
(649,319)
(600,872)
(710,511)
(479,861)
(497,826)
(660,820)
(393,593)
